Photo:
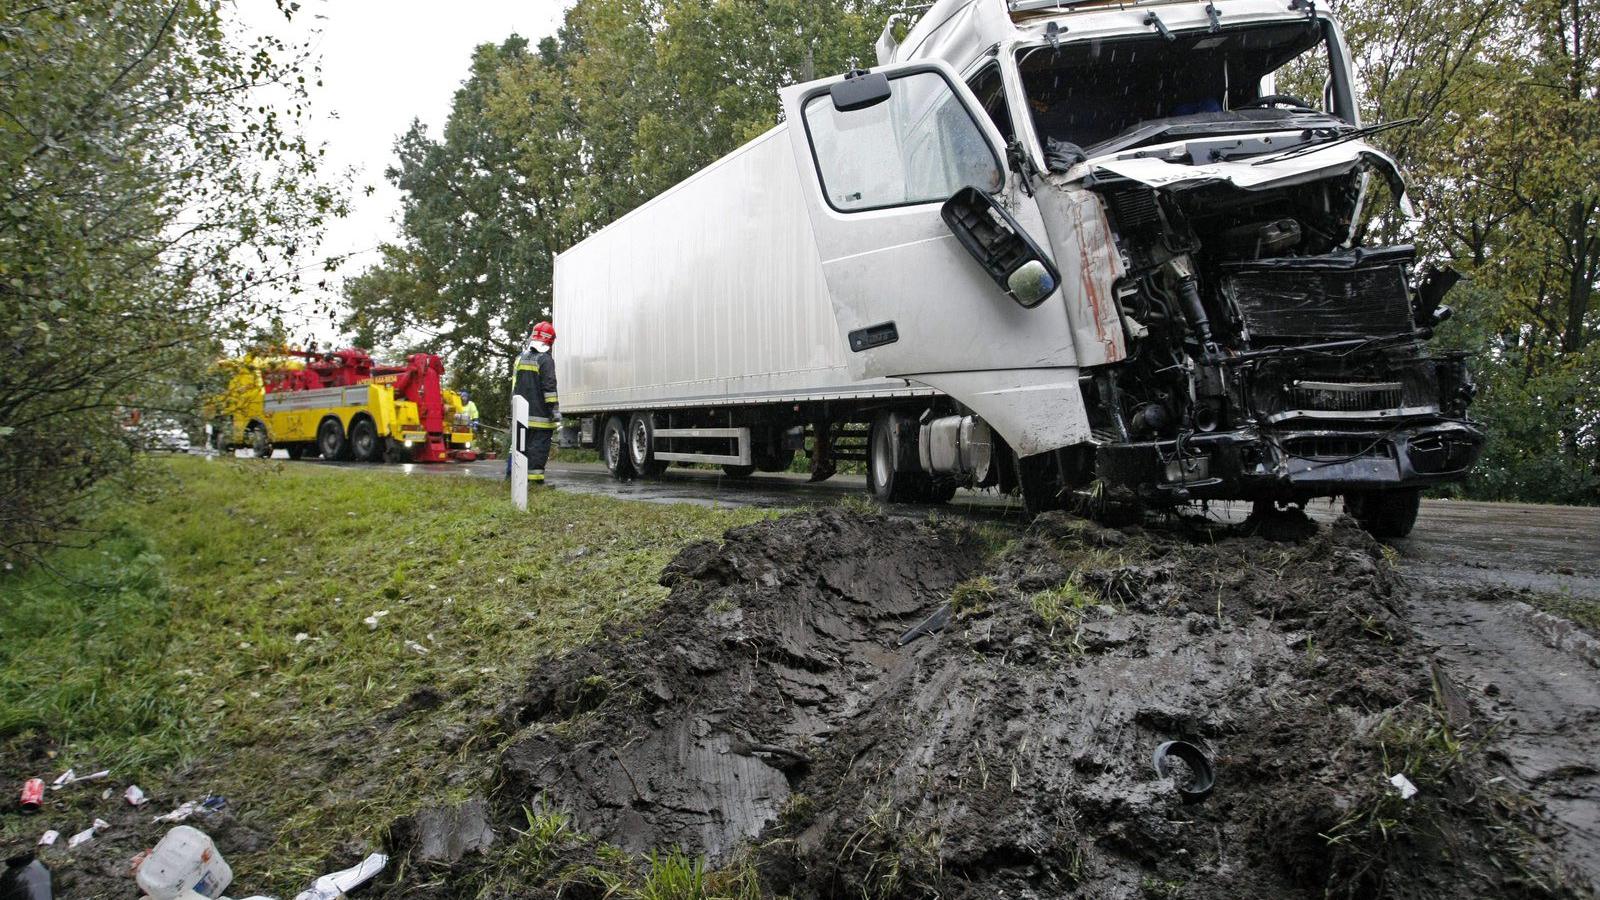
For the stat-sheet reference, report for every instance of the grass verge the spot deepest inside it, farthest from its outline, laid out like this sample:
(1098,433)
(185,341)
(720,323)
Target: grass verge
(268,631)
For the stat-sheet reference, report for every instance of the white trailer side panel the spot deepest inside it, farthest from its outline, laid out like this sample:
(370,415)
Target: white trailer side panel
(711,294)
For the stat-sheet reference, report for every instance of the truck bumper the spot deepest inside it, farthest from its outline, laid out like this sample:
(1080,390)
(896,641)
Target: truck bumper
(1292,463)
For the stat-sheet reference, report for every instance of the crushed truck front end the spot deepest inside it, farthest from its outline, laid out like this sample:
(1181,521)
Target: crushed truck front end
(1216,206)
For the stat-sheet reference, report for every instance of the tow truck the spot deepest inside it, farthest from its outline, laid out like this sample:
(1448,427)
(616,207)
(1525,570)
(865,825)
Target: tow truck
(340,405)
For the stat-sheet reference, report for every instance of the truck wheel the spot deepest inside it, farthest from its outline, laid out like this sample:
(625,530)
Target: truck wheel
(364,443)
(395,452)
(641,446)
(1385,514)
(330,440)
(1042,483)
(614,449)
(889,479)
(295,451)
(260,444)
(940,491)
(739,472)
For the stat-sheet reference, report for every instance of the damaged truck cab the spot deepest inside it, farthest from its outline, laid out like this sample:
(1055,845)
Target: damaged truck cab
(1127,251)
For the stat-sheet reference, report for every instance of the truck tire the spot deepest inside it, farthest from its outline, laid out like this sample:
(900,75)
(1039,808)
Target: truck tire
(641,446)
(365,446)
(1385,514)
(614,449)
(889,477)
(295,451)
(395,451)
(260,443)
(1041,482)
(330,440)
(738,472)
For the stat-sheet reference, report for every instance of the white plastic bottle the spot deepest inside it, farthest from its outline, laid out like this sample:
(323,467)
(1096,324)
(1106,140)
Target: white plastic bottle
(186,861)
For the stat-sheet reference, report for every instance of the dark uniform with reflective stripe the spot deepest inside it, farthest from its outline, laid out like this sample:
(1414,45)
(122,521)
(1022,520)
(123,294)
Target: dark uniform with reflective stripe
(536,382)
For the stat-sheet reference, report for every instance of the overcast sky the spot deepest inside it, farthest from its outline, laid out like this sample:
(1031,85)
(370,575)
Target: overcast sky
(385,62)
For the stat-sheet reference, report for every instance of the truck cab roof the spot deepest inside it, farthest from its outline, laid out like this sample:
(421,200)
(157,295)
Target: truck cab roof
(961,32)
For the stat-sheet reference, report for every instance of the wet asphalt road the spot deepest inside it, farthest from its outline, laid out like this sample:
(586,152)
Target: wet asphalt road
(1549,549)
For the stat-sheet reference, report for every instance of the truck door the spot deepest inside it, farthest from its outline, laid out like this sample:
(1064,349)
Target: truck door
(875,170)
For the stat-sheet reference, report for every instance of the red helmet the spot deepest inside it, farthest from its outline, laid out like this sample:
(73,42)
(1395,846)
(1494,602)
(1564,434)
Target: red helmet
(544,333)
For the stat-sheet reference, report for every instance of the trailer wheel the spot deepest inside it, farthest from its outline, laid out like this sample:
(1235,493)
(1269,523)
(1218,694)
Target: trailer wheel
(890,477)
(614,449)
(364,443)
(330,440)
(260,444)
(738,472)
(1385,514)
(641,446)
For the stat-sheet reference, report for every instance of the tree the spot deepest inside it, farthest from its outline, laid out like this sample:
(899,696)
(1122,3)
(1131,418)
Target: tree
(157,193)
(1505,166)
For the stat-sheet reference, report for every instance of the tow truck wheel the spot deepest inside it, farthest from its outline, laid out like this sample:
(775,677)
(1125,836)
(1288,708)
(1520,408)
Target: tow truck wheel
(330,440)
(614,449)
(1385,514)
(260,444)
(364,443)
(641,446)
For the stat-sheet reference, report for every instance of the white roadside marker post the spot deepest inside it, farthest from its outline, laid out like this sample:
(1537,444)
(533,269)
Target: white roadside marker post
(519,452)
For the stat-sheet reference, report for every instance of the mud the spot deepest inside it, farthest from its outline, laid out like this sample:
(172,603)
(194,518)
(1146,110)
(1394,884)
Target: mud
(766,716)
(1538,711)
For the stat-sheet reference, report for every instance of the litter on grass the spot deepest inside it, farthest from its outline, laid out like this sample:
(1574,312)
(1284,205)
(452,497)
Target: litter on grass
(71,776)
(1404,785)
(185,861)
(87,835)
(208,804)
(337,884)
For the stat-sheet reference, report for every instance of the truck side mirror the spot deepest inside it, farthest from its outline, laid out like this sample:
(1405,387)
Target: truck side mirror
(999,244)
(860,90)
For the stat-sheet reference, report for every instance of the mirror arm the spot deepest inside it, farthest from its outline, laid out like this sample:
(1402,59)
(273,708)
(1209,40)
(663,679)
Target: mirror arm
(1019,162)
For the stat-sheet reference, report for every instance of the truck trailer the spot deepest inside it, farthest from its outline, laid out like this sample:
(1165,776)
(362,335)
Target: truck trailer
(1059,248)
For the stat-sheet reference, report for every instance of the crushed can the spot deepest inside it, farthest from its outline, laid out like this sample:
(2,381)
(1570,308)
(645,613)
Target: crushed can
(32,794)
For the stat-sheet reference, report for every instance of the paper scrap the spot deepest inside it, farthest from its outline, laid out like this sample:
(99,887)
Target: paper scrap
(337,884)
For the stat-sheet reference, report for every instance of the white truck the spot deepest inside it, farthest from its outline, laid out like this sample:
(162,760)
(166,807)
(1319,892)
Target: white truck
(1045,246)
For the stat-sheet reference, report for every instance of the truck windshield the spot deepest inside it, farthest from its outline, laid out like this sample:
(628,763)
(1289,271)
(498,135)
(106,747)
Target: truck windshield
(1090,93)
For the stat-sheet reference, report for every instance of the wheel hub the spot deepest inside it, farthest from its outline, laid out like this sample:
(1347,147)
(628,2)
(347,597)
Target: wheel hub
(641,443)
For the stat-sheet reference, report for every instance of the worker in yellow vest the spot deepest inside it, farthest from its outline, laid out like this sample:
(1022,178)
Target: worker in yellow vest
(536,383)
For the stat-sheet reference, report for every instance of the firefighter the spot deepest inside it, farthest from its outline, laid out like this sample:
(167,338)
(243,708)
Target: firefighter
(536,383)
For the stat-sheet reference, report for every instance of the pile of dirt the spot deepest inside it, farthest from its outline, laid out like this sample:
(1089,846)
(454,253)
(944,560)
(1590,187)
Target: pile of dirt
(768,716)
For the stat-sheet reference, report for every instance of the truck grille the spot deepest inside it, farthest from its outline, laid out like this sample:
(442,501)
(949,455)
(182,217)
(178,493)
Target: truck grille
(1334,396)
(1338,447)
(1321,298)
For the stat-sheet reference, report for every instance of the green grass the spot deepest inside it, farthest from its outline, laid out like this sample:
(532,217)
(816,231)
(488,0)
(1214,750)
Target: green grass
(215,639)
